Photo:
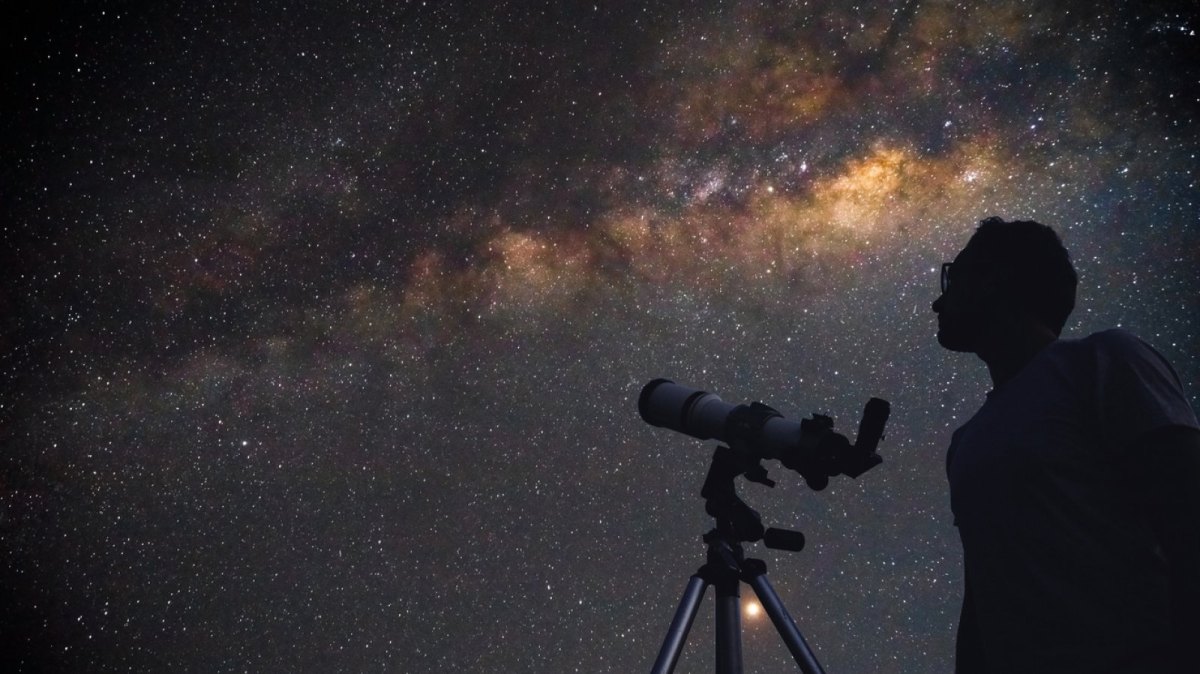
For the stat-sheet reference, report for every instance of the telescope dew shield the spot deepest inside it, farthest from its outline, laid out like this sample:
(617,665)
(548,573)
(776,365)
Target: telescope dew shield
(683,409)
(705,416)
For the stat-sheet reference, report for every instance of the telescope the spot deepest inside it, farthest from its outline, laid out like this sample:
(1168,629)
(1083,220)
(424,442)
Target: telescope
(809,447)
(752,432)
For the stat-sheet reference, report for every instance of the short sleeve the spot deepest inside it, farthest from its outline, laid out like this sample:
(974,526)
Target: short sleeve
(1137,390)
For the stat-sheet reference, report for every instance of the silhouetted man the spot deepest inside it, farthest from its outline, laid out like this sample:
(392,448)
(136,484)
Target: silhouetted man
(1076,486)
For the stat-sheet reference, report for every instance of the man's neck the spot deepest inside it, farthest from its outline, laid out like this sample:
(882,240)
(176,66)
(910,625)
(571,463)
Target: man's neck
(1009,353)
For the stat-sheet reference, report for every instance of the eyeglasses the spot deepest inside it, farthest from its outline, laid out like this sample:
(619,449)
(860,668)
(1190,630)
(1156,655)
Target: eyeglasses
(946,275)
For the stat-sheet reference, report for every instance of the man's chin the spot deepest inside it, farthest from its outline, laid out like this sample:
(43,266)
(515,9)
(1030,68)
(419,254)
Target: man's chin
(953,342)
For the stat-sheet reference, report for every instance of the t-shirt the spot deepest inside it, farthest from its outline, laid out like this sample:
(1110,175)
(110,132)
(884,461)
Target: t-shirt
(1062,575)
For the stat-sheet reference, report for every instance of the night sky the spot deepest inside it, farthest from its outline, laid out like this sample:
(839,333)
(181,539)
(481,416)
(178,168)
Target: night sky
(324,323)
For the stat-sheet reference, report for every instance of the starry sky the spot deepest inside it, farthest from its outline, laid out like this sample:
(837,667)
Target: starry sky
(324,323)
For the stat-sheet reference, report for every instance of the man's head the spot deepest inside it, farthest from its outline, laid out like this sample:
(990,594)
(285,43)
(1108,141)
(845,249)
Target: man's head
(1009,273)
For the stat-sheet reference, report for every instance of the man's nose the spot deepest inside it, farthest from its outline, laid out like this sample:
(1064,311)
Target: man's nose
(937,304)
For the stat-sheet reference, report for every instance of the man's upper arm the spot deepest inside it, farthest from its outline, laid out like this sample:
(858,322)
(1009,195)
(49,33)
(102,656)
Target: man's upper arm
(1144,416)
(1166,469)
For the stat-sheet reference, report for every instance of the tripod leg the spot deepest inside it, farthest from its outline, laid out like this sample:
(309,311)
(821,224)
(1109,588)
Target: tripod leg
(783,621)
(681,624)
(729,626)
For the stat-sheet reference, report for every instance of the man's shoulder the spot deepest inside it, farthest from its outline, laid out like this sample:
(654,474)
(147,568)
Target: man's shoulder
(1119,357)
(1118,344)
(1114,338)
(1094,357)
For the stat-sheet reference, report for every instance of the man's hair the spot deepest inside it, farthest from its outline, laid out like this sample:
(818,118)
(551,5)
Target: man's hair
(1036,268)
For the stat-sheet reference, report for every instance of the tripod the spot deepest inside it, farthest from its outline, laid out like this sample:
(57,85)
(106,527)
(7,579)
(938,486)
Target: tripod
(754,432)
(726,567)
